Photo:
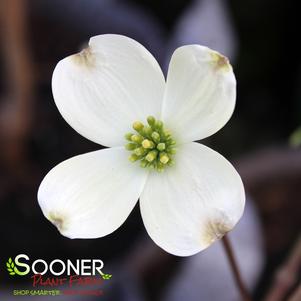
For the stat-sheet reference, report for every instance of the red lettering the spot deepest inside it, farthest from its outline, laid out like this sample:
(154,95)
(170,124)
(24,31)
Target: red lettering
(38,280)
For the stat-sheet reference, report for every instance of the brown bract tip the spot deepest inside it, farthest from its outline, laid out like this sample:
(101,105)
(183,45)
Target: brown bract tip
(216,229)
(58,221)
(220,62)
(84,58)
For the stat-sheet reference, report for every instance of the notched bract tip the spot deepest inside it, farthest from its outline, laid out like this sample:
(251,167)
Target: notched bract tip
(85,58)
(58,220)
(216,228)
(220,61)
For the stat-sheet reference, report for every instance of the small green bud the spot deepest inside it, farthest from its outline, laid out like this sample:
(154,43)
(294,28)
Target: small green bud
(159,124)
(137,139)
(128,136)
(138,126)
(164,158)
(172,151)
(167,133)
(144,163)
(148,144)
(139,151)
(130,146)
(160,167)
(171,142)
(133,157)
(147,131)
(156,137)
(171,162)
(151,120)
(161,146)
(151,156)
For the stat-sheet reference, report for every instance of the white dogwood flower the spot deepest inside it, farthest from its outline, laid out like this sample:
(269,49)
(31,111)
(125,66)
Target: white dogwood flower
(114,93)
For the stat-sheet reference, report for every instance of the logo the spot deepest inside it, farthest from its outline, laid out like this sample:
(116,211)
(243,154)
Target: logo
(10,265)
(67,274)
(57,267)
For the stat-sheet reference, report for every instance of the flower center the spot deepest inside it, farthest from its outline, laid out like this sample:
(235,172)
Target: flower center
(152,145)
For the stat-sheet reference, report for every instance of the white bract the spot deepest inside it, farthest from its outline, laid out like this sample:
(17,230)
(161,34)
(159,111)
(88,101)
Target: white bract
(189,194)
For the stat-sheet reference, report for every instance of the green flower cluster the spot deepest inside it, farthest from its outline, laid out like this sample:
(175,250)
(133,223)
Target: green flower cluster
(152,145)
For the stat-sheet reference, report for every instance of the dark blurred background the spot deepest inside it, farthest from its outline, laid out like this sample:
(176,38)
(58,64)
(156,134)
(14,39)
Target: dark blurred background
(261,38)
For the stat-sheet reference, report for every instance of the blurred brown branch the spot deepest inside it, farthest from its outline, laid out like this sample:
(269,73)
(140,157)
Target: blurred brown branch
(272,177)
(241,287)
(17,103)
(268,164)
(296,295)
(287,277)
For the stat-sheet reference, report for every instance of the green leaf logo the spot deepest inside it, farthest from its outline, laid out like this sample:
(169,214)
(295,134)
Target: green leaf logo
(106,276)
(10,267)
